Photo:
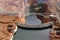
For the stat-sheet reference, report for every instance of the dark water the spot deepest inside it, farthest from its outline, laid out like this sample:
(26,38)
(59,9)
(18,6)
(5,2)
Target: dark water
(32,35)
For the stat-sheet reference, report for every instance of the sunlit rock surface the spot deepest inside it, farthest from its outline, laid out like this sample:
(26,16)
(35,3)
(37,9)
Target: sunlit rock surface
(17,6)
(7,27)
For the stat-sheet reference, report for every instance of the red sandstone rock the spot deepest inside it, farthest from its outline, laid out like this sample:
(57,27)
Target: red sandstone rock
(7,27)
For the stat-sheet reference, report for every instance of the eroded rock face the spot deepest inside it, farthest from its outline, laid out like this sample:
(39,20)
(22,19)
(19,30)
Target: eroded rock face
(5,18)
(6,31)
(12,5)
(7,27)
(55,33)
